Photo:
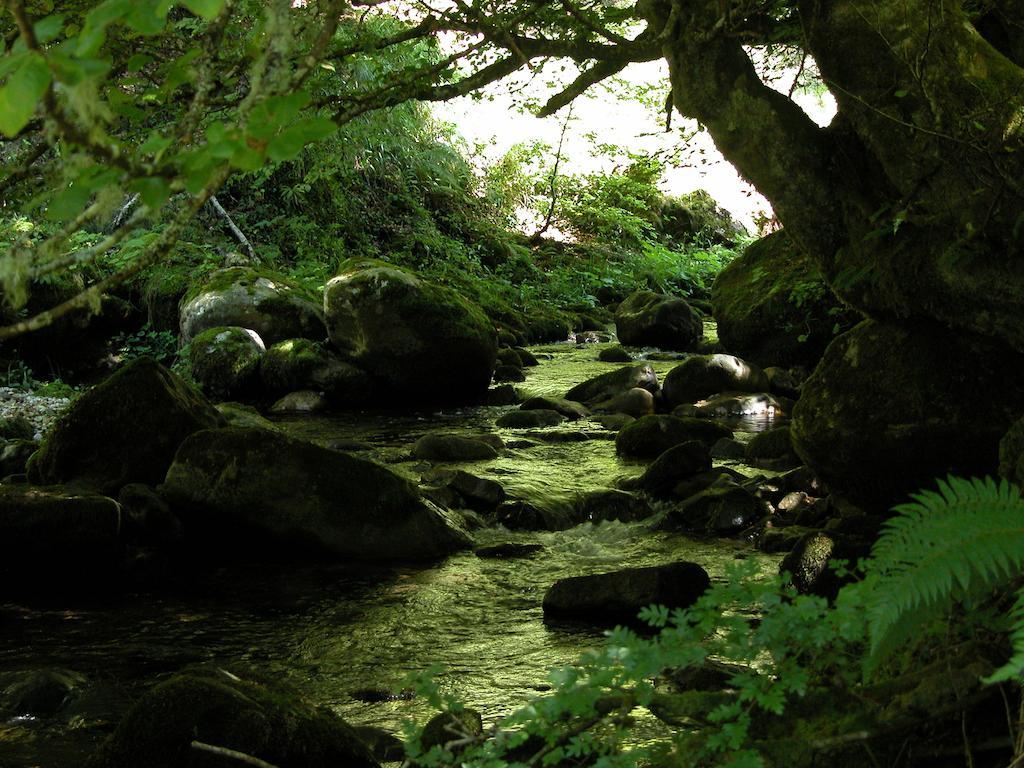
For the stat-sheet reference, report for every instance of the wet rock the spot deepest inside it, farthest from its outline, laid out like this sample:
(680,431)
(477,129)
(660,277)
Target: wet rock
(124,430)
(265,302)
(1011,454)
(384,746)
(508,550)
(775,540)
(503,394)
(256,717)
(14,456)
(303,401)
(478,493)
(510,358)
(292,496)
(611,504)
(225,362)
(424,343)
(736,404)
(508,373)
(445,728)
(809,562)
(721,509)
(673,466)
(728,449)
(16,428)
(568,408)
(634,402)
(773,305)
(891,407)
(648,319)
(703,480)
(530,419)
(608,385)
(772,449)
(526,357)
(606,599)
(701,376)
(524,516)
(649,437)
(614,354)
(242,415)
(301,364)
(613,422)
(147,518)
(785,381)
(56,537)
(37,692)
(441,447)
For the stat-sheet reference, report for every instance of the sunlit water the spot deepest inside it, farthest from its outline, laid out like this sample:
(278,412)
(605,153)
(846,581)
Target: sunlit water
(336,632)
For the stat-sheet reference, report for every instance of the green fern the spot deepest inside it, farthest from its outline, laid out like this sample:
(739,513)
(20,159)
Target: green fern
(963,540)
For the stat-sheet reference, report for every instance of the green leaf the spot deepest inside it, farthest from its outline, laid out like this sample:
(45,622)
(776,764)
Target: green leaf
(155,145)
(21,93)
(49,28)
(207,9)
(292,139)
(94,32)
(137,62)
(153,190)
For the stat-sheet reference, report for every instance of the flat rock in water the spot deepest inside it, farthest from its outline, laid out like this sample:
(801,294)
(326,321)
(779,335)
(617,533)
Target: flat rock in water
(439,447)
(608,385)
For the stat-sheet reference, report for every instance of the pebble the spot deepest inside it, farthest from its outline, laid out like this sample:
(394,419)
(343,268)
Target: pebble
(41,411)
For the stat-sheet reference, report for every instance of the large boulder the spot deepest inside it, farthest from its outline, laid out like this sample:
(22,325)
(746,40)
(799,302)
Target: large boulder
(609,385)
(892,407)
(700,376)
(268,303)
(226,361)
(773,306)
(237,482)
(301,364)
(607,599)
(124,430)
(234,711)
(697,218)
(648,319)
(678,463)
(651,436)
(424,343)
(50,535)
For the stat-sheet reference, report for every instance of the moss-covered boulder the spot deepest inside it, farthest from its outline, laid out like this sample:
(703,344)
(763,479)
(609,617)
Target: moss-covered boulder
(568,408)
(607,599)
(297,364)
(608,385)
(124,430)
(422,342)
(721,509)
(266,302)
(226,361)
(1011,454)
(891,407)
(241,483)
(696,217)
(701,376)
(534,418)
(648,319)
(678,463)
(56,536)
(234,711)
(437,446)
(651,436)
(773,306)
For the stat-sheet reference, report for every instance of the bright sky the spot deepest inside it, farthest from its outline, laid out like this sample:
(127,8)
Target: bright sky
(498,124)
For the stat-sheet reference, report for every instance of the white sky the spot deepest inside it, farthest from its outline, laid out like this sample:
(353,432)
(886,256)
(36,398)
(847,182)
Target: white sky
(496,122)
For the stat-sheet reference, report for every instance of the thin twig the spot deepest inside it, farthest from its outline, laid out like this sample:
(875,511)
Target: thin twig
(231,753)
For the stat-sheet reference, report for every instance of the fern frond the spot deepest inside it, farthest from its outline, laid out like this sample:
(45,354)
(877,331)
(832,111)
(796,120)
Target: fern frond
(1014,668)
(963,539)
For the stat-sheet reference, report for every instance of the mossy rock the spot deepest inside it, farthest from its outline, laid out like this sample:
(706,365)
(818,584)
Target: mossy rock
(446,727)
(225,362)
(422,342)
(722,509)
(648,319)
(545,326)
(678,463)
(772,445)
(234,711)
(651,436)
(701,376)
(773,306)
(696,217)
(297,364)
(266,302)
(892,407)
(290,496)
(613,383)
(124,430)
(530,419)
(1011,454)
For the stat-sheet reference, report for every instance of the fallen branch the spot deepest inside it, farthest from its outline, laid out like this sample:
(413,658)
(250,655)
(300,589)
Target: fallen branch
(239,235)
(232,753)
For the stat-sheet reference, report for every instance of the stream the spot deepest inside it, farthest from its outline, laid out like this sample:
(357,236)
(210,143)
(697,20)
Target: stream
(344,635)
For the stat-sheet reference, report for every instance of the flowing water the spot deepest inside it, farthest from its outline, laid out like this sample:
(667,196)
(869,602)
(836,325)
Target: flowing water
(345,635)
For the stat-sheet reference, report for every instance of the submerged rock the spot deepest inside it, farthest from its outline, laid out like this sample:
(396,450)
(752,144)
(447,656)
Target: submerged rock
(124,430)
(422,342)
(37,692)
(268,303)
(217,707)
(648,319)
(608,385)
(673,466)
(701,376)
(226,361)
(614,354)
(612,504)
(530,419)
(440,447)
(568,408)
(286,494)
(649,437)
(607,599)
(303,401)
(721,509)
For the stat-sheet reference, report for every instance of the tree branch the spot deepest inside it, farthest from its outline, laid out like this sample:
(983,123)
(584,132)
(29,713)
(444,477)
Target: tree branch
(600,71)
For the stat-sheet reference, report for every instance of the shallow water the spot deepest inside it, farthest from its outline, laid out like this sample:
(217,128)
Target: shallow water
(335,631)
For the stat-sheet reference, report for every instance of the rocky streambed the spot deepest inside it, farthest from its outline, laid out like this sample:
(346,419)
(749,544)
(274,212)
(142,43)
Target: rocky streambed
(348,636)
